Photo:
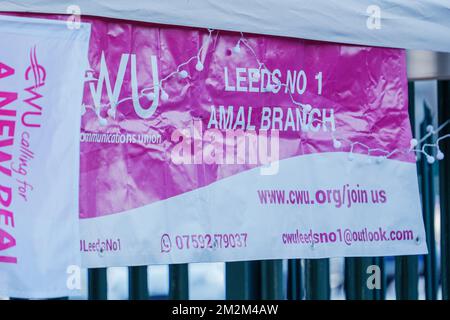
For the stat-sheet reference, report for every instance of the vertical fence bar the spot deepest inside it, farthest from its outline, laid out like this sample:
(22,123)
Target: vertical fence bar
(357,275)
(294,280)
(444,183)
(406,271)
(364,293)
(350,279)
(380,294)
(317,279)
(272,279)
(97,284)
(366,275)
(137,283)
(406,267)
(179,281)
(243,280)
(426,175)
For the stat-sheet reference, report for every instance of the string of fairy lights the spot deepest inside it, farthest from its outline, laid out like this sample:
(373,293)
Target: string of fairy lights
(431,151)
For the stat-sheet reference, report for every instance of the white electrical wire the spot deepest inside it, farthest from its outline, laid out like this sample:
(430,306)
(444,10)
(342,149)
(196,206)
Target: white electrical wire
(337,141)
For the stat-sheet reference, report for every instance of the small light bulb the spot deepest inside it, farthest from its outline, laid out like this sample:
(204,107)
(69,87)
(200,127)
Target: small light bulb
(337,144)
(237,48)
(307,107)
(430,159)
(440,155)
(183,74)
(430,128)
(150,96)
(89,77)
(103,122)
(164,95)
(112,112)
(199,66)
(413,143)
(380,159)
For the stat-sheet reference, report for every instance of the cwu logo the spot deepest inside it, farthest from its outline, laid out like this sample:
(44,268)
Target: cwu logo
(98,86)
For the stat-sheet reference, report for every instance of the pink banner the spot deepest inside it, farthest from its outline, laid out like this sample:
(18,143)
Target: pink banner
(188,134)
(365,88)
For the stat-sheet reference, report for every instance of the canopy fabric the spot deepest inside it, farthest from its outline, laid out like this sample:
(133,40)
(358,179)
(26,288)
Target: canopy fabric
(421,24)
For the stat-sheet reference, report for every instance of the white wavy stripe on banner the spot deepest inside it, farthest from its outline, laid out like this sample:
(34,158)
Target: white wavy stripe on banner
(158,233)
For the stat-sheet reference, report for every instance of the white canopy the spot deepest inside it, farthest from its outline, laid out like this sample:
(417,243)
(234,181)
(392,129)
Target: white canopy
(419,24)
